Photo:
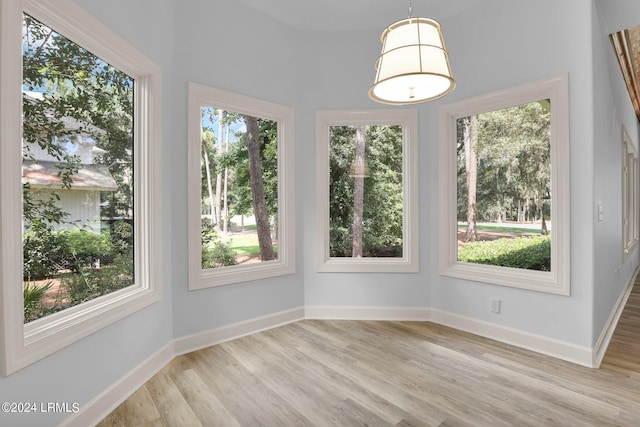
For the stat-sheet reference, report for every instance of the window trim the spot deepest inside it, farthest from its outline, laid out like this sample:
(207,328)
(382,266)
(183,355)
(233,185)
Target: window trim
(201,95)
(410,261)
(630,208)
(23,344)
(558,280)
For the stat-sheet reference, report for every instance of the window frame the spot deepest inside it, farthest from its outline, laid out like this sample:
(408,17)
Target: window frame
(409,262)
(199,96)
(557,281)
(630,202)
(24,344)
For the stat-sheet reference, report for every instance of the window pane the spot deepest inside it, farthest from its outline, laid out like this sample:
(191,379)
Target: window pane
(239,199)
(504,187)
(365,191)
(77,173)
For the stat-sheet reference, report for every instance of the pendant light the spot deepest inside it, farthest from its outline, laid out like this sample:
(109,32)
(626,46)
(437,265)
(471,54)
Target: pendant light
(414,64)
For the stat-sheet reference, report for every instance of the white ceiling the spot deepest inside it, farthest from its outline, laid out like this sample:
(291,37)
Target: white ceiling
(339,15)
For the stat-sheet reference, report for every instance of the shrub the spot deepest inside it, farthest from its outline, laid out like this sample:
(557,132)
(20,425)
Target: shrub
(121,237)
(218,254)
(531,253)
(32,294)
(90,283)
(42,252)
(84,248)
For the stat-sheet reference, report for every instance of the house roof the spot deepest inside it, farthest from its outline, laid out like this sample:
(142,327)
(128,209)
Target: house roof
(43,174)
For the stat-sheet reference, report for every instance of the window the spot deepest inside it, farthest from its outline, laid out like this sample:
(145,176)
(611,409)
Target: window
(504,196)
(79,177)
(241,213)
(629,194)
(366,188)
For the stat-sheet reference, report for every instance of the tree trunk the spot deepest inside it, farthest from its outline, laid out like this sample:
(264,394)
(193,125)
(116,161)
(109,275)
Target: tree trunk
(257,190)
(471,165)
(219,175)
(225,192)
(358,193)
(207,168)
(543,230)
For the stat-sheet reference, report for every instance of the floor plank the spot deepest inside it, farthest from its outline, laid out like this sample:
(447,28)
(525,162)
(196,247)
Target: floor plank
(368,373)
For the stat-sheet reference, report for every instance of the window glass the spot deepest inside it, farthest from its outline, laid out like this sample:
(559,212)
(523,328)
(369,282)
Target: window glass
(241,188)
(504,201)
(504,187)
(77,173)
(366,197)
(239,177)
(367,191)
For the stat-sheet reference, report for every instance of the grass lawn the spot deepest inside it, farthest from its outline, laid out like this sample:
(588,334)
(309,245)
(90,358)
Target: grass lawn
(505,227)
(246,244)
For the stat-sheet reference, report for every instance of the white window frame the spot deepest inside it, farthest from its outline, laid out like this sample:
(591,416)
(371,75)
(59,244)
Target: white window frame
(199,278)
(630,218)
(408,119)
(24,344)
(557,281)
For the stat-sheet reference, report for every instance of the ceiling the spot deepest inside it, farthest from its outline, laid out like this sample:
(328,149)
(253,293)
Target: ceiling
(340,15)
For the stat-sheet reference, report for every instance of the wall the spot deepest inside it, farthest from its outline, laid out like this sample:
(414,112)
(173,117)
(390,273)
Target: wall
(81,371)
(229,46)
(612,110)
(493,46)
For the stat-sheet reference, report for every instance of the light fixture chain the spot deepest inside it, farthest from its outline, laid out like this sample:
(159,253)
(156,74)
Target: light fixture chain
(410,9)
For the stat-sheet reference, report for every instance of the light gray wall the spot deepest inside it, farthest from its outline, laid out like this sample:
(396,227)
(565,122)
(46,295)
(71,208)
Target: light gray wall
(229,46)
(81,371)
(501,44)
(612,110)
(496,45)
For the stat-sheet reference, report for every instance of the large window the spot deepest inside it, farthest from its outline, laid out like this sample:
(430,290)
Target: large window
(630,209)
(77,175)
(240,188)
(504,187)
(366,190)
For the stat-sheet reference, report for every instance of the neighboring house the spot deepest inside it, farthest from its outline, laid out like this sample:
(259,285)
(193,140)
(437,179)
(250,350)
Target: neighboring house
(82,200)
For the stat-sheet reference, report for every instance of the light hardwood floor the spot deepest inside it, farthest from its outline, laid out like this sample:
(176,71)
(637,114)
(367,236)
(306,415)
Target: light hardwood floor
(366,373)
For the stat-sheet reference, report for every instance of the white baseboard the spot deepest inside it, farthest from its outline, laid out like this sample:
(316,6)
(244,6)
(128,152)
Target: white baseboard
(367,313)
(605,337)
(540,344)
(100,406)
(211,337)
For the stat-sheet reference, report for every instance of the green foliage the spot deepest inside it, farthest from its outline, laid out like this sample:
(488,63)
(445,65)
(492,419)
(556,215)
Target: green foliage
(90,283)
(215,252)
(84,248)
(32,294)
(383,203)
(514,164)
(122,237)
(218,254)
(43,252)
(530,253)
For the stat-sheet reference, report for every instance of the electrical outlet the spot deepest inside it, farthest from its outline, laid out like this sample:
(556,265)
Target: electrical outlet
(495,305)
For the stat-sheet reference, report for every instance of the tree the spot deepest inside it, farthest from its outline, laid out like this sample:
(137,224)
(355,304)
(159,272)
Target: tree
(358,192)
(257,190)
(471,163)
(75,84)
(382,228)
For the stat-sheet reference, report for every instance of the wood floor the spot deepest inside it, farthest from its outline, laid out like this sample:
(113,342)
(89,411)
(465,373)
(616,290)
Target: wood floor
(366,373)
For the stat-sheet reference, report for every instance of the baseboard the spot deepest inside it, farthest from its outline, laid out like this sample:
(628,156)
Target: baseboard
(367,313)
(211,337)
(555,348)
(100,406)
(605,337)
